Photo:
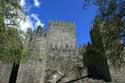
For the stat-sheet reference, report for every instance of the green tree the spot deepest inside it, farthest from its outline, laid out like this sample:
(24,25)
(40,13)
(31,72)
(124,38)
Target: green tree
(11,44)
(108,22)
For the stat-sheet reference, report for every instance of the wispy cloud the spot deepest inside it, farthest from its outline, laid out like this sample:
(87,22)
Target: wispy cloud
(25,24)
(22,3)
(38,22)
(36,3)
(31,20)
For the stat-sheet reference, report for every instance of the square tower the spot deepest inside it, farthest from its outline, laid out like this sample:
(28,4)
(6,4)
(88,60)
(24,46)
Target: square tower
(61,51)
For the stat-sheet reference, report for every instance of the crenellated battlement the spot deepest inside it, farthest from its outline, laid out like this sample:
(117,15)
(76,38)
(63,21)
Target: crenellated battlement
(61,23)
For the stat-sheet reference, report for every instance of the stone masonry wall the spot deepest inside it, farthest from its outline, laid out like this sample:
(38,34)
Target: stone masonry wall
(5,72)
(33,71)
(62,54)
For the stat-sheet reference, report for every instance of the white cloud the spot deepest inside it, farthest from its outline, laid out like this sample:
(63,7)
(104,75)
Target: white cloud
(36,3)
(25,24)
(31,21)
(24,21)
(22,3)
(38,22)
(35,16)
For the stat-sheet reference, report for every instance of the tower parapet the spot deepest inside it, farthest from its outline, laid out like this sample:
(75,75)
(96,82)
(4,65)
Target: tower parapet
(61,23)
(62,33)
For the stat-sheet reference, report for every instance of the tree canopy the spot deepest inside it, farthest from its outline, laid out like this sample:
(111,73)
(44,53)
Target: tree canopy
(109,21)
(11,44)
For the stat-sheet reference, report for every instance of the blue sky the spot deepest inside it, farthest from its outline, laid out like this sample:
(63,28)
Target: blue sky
(41,11)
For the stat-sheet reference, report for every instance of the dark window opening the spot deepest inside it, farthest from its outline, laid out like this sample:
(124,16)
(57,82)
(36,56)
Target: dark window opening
(66,46)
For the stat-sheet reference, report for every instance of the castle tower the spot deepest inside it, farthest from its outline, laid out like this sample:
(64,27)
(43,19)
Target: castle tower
(62,33)
(33,70)
(61,48)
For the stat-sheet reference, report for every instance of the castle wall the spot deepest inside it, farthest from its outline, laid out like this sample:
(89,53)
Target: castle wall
(118,73)
(33,71)
(5,72)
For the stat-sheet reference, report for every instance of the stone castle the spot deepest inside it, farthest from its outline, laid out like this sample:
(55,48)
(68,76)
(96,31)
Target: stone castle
(52,53)
(55,58)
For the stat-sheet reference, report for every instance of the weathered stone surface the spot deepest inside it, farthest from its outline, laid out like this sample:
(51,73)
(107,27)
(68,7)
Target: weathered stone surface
(118,73)
(62,52)
(33,71)
(5,71)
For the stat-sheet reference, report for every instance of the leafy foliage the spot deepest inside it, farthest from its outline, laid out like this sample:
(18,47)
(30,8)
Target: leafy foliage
(108,22)
(96,64)
(11,48)
(11,44)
